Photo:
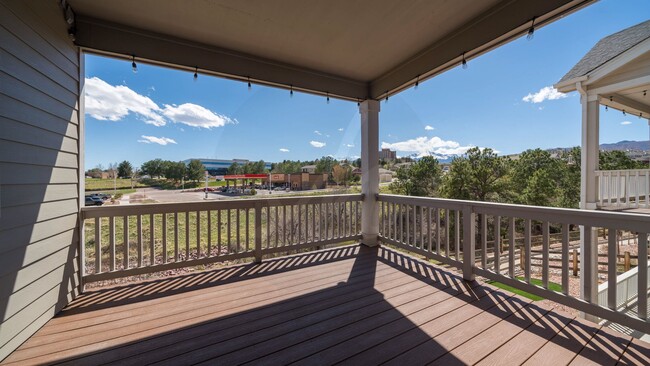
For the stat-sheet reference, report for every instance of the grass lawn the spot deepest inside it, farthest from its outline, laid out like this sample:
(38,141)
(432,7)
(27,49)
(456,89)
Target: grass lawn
(551,286)
(93,184)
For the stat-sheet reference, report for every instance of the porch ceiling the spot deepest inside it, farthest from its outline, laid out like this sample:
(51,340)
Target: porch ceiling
(349,49)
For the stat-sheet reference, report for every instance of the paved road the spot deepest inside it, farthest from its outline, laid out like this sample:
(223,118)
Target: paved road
(169,196)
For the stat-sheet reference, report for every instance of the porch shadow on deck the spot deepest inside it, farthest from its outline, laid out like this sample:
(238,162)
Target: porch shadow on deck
(354,305)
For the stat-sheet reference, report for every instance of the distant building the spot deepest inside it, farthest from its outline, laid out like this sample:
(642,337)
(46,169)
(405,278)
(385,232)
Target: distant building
(387,155)
(311,169)
(220,167)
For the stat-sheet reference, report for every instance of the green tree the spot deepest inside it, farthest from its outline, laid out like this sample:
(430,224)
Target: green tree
(287,167)
(153,168)
(536,178)
(422,178)
(175,171)
(569,195)
(479,175)
(234,168)
(124,170)
(342,174)
(325,165)
(195,170)
(617,160)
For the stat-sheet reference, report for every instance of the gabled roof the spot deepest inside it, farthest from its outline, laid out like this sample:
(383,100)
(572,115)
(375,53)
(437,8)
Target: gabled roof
(608,48)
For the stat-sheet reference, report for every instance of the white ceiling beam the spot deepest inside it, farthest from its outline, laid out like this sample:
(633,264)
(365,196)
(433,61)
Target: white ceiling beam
(627,104)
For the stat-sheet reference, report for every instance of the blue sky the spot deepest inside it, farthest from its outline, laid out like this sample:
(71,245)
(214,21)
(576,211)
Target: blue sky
(163,113)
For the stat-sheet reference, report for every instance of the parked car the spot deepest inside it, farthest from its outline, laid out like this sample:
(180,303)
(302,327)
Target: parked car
(94,201)
(102,196)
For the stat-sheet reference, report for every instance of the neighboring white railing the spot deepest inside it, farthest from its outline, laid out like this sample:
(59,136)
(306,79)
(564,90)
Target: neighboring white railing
(627,289)
(159,237)
(483,239)
(623,188)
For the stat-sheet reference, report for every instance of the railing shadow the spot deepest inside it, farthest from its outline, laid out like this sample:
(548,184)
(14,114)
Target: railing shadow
(147,290)
(371,315)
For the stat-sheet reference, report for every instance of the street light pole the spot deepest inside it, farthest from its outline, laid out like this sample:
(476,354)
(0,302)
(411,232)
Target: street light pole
(206,184)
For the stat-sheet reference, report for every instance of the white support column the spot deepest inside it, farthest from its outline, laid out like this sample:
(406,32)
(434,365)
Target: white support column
(369,110)
(589,195)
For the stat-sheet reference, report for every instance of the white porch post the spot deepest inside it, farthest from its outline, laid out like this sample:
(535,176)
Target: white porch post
(369,110)
(589,195)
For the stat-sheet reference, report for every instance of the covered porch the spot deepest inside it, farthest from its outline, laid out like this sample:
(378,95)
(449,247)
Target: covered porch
(367,303)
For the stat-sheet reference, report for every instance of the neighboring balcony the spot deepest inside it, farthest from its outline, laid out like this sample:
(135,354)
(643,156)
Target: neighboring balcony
(349,303)
(623,189)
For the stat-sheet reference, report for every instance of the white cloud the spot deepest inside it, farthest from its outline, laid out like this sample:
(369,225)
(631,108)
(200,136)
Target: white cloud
(284,150)
(545,93)
(428,128)
(318,133)
(156,140)
(317,144)
(112,103)
(625,123)
(341,129)
(423,146)
(349,145)
(196,116)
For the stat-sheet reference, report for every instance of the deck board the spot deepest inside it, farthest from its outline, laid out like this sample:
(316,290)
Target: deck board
(351,305)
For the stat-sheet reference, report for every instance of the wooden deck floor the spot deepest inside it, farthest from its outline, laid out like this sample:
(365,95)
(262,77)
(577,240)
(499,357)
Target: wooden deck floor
(352,305)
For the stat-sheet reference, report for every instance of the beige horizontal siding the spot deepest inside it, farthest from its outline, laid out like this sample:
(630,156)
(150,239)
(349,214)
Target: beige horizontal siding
(35,155)
(16,238)
(33,30)
(25,194)
(35,252)
(33,174)
(32,135)
(35,213)
(39,168)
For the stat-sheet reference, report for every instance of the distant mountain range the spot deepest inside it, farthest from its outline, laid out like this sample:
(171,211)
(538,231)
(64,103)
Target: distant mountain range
(626,145)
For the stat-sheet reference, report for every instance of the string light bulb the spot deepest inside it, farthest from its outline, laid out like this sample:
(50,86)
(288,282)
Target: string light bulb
(463,63)
(290,91)
(249,83)
(645,92)
(531,30)
(624,112)
(386,100)
(606,109)
(134,66)
(417,82)
(328,97)
(196,73)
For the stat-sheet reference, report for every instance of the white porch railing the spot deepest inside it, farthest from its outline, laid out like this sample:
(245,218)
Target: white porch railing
(131,240)
(457,233)
(623,188)
(627,289)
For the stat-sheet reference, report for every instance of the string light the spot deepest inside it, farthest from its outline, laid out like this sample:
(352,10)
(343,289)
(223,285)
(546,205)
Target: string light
(328,97)
(196,73)
(624,112)
(463,63)
(606,109)
(417,81)
(531,30)
(645,92)
(611,98)
(249,83)
(386,100)
(134,67)
(290,91)
(358,102)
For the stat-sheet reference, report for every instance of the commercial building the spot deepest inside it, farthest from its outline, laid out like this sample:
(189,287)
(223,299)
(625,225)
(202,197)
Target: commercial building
(297,182)
(387,154)
(220,166)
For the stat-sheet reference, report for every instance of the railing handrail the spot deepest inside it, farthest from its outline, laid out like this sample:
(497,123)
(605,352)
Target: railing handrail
(621,220)
(159,208)
(605,171)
